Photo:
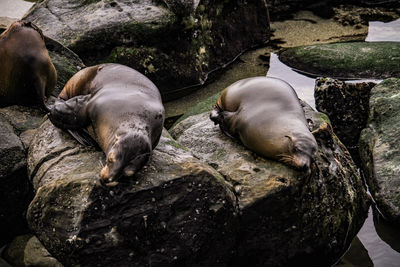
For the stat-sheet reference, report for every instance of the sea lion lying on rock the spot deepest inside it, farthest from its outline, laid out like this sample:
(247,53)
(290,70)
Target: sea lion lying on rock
(122,111)
(27,75)
(266,115)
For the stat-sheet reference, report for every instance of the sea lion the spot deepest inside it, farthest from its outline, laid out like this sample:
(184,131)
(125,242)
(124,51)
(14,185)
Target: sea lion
(27,75)
(122,111)
(266,115)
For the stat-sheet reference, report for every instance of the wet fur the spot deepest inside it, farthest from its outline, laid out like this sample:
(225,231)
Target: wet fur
(266,116)
(27,75)
(121,110)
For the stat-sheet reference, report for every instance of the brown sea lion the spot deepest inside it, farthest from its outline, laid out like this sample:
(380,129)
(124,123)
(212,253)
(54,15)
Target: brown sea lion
(122,111)
(265,114)
(27,75)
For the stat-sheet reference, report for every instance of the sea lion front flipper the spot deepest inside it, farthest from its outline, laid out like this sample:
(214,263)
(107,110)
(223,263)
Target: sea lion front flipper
(83,137)
(70,114)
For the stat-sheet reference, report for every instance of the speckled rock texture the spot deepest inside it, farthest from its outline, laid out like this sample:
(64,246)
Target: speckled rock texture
(346,60)
(287,218)
(175,43)
(347,106)
(380,148)
(26,250)
(15,189)
(176,211)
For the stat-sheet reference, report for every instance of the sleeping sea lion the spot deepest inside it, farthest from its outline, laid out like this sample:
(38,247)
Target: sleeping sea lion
(266,115)
(122,111)
(27,75)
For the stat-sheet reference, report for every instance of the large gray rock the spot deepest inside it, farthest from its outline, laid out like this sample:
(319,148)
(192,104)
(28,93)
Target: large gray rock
(175,43)
(286,217)
(26,250)
(380,148)
(346,60)
(346,105)
(176,211)
(15,189)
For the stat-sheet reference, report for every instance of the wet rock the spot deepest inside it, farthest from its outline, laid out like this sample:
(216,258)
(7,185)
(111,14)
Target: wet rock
(14,183)
(379,148)
(15,189)
(27,250)
(3,263)
(350,15)
(286,217)
(66,62)
(182,7)
(175,47)
(176,211)
(346,60)
(347,106)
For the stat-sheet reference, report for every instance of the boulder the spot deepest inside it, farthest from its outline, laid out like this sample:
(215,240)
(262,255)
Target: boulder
(286,217)
(26,250)
(175,43)
(346,60)
(346,105)
(380,149)
(175,211)
(15,188)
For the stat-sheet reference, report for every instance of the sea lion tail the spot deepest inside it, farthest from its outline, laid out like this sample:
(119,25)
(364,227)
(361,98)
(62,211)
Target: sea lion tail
(216,115)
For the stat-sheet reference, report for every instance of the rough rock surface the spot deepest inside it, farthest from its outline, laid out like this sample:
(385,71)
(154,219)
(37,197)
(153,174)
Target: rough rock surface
(66,62)
(15,189)
(178,211)
(174,50)
(346,105)
(26,250)
(346,60)
(380,148)
(286,217)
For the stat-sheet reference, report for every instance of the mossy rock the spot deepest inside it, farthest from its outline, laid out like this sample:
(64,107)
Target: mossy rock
(176,47)
(346,60)
(380,148)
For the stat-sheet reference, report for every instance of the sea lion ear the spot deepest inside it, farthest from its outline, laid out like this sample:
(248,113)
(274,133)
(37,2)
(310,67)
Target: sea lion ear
(290,138)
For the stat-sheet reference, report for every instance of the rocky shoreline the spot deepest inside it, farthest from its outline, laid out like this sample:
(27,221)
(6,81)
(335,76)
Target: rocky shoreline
(202,199)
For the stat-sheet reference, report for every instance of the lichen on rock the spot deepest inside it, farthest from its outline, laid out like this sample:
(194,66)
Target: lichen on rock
(379,148)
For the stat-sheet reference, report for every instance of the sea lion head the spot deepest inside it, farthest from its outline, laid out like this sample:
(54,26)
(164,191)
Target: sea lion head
(127,155)
(18,25)
(301,151)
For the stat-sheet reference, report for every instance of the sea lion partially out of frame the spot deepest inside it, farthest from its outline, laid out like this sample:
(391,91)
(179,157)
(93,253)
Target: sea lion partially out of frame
(266,115)
(27,75)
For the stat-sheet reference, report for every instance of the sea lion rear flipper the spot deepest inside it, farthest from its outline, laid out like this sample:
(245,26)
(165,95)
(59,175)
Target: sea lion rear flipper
(70,114)
(83,137)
